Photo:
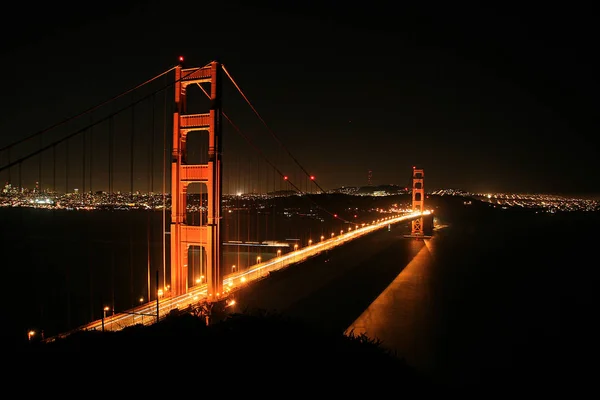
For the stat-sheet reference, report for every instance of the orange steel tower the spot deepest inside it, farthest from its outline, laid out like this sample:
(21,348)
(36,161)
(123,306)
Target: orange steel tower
(418,201)
(207,235)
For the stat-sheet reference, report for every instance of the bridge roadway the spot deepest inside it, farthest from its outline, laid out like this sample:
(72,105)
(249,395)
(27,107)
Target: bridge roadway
(145,314)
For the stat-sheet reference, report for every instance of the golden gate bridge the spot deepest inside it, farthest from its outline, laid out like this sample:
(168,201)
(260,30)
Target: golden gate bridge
(166,134)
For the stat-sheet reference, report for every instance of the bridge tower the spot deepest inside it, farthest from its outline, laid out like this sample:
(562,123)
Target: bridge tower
(418,201)
(208,235)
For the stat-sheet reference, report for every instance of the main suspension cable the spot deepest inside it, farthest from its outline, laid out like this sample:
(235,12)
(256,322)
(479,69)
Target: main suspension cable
(64,121)
(108,117)
(269,129)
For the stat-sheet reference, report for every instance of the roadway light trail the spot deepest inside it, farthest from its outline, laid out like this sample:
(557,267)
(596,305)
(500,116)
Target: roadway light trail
(146,313)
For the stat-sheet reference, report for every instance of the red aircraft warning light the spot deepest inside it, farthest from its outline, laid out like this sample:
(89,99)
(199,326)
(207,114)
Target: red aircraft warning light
(312,178)
(285,178)
(180,59)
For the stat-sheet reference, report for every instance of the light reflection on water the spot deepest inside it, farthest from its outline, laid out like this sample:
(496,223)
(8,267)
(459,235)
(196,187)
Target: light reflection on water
(401,314)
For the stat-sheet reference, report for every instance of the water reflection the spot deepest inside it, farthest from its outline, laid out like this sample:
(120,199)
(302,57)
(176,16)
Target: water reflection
(400,316)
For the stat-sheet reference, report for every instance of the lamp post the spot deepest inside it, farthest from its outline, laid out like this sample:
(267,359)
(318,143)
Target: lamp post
(141,302)
(104,316)
(30,334)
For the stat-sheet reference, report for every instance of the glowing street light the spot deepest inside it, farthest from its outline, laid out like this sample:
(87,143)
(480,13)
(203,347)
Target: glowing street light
(279,253)
(104,310)
(295,247)
(309,242)
(258,260)
(30,334)
(322,237)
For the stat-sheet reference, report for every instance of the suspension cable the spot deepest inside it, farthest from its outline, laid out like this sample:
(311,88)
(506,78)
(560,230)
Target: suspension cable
(85,111)
(269,129)
(108,117)
(334,215)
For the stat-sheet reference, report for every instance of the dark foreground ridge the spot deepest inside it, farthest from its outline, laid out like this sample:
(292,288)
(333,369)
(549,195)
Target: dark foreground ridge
(265,342)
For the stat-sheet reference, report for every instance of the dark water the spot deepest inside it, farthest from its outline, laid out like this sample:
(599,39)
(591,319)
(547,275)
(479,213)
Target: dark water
(496,300)
(62,267)
(503,300)
(506,298)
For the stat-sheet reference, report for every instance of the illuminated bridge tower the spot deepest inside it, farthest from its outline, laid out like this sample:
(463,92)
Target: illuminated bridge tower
(208,234)
(418,201)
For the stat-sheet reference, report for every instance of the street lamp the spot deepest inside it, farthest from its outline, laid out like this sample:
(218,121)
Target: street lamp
(279,253)
(30,334)
(258,260)
(142,302)
(309,242)
(233,268)
(105,309)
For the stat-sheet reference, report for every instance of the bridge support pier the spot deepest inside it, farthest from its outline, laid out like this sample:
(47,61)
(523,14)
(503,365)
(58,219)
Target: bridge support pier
(208,234)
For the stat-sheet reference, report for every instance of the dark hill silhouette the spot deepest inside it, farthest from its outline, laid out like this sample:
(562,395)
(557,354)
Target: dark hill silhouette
(271,342)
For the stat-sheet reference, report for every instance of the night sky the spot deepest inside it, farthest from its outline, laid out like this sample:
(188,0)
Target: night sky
(484,99)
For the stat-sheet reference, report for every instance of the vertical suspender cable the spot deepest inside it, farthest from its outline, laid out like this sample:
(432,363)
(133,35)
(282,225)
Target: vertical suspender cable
(91,152)
(9,170)
(110,192)
(131,147)
(110,157)
(19,178)
(83,163)
(164,182)
(150,191)
(67,168)
(151,160)
(131,241)
(40,168)
(54,169)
